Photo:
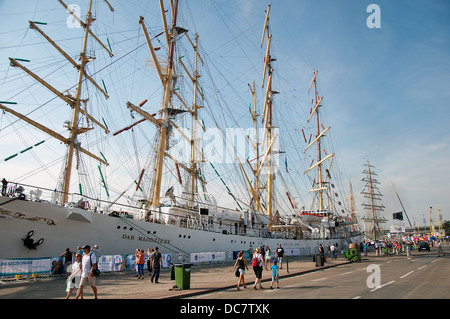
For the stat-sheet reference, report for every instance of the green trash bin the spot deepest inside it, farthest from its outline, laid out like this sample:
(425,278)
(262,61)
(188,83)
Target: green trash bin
(183,276)
(352,254)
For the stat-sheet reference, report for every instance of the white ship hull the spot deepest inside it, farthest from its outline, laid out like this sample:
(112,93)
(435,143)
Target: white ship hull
(64,227)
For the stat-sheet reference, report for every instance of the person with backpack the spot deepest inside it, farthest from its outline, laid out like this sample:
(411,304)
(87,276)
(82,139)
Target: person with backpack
(257,263)
(88,265)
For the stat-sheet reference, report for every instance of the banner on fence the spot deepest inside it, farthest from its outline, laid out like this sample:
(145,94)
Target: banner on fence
(11,267)
(111,263)
(208,257)
(108,263)
(130,261)
(292,252)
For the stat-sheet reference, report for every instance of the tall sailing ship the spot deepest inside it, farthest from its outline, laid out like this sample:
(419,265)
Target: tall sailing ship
(373,205)
(169,202)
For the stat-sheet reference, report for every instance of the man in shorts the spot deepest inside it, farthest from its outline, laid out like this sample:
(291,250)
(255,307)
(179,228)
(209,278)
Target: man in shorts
(88,264)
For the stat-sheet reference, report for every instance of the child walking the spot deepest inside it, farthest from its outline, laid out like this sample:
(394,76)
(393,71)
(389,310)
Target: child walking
(275,274)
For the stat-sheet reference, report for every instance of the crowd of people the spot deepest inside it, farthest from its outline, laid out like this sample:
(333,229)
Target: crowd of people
(154,263)
(82,270)
(261,258)
(81,267)
(399,246)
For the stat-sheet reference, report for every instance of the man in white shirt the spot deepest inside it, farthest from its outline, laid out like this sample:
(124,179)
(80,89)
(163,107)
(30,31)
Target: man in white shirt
(333,251)
(88,264)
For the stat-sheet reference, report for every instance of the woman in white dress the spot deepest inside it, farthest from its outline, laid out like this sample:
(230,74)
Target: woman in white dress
(73,281)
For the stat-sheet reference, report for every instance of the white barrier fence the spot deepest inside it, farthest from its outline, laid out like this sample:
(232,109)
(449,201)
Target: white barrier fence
(54,266)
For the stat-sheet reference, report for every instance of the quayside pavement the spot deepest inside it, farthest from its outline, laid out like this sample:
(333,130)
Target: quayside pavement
(125,285)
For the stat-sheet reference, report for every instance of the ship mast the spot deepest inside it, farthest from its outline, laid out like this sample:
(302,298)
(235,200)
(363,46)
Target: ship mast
(268,132)
(267,114)
(73,126)
(168,79)
(319,135)
(438,218)
(256,174)
(267,111)
(73,102)
(164,112)
(374,196)
(353,209)
(193,169)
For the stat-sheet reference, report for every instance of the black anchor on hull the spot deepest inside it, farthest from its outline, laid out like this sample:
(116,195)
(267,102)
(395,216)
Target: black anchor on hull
(29,242)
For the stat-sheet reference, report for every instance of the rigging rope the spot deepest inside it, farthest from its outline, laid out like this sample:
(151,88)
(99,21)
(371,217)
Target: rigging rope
(145,233)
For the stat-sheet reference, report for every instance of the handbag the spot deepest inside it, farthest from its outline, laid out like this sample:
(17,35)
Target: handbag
(237,273)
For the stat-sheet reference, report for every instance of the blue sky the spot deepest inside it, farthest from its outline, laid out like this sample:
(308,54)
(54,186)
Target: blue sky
(386,91)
